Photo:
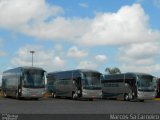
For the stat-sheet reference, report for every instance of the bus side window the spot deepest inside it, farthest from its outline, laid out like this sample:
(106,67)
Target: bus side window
(138,83)
(3,82)
(25,80)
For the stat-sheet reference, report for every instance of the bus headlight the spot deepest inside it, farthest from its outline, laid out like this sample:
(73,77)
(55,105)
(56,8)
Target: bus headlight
(85,93)
(20,90)
(78,91)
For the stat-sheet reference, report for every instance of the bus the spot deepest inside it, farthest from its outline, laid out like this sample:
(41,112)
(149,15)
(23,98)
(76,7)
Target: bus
(129,86)
(158,88)
(76,84)
(24,82)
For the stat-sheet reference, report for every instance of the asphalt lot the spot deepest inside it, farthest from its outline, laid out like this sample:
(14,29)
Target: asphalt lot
(68,106)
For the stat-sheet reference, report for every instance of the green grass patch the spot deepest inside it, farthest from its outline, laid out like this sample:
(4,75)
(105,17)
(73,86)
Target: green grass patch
(157,99)
(1,94)
(46,95)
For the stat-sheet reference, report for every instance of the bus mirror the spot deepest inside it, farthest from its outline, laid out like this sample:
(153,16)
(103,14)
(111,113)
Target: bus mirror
(101,77)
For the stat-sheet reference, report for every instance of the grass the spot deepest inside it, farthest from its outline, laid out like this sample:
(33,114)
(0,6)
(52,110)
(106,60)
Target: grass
(1,94)
(46,95)
(156,98)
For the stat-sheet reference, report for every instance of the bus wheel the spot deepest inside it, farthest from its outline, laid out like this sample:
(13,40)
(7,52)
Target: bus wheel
(17,95)
(74,96)
(141,100)
(5,94)
(35,98)
(126,97)
(90,99)
(54,95)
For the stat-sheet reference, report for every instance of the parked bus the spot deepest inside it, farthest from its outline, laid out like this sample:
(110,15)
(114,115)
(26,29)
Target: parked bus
(158,88)
(27,82)
(129,86)
(76,84)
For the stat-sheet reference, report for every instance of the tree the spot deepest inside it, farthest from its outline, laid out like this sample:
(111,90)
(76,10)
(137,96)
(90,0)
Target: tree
(114,70)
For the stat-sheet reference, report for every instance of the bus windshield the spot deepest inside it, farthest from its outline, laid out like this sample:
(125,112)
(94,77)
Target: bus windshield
(92,80)
(145,83)
(34,79)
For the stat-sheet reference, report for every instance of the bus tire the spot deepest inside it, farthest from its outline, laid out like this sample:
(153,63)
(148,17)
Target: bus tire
(141,100)
(5,94)
(126,97)
(74,95)
(90,99)
(54,95)
(17,95)
(35,98)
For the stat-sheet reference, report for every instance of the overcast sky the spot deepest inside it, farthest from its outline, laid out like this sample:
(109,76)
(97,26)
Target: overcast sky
(71,34)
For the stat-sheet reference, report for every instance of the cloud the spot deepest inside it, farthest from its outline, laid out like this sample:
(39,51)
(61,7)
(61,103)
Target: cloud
(76,53)
(2,53)
(57,61)
(16,13)
(101,58)
(36,18)
(128,25)
(58,47)
(53,59)
(93,63)
(144,69)
(142,57)
(87,65)
(59,28)
(144,53)
(83,5)
(42,57)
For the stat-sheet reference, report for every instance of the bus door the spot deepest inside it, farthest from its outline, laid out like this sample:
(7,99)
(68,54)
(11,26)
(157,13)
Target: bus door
(19,87)
(77,83)
(158,88)
(65,84)
(131,88)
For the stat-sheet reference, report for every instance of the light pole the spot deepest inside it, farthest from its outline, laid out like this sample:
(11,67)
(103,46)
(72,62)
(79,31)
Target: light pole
(32,52)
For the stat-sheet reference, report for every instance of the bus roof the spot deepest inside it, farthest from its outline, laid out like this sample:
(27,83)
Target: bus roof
(129,75)
(137,73)
(23,67)
(79,70)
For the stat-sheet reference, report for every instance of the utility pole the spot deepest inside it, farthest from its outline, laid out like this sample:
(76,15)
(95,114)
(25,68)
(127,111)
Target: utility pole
(32,52)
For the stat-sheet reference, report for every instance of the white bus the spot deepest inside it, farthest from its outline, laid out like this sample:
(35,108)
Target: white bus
(76,84)
(27,82)
(129,86)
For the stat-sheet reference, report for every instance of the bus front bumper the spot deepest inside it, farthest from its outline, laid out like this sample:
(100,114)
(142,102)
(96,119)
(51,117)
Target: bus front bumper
(32,93)
(91,93)
(146,95)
